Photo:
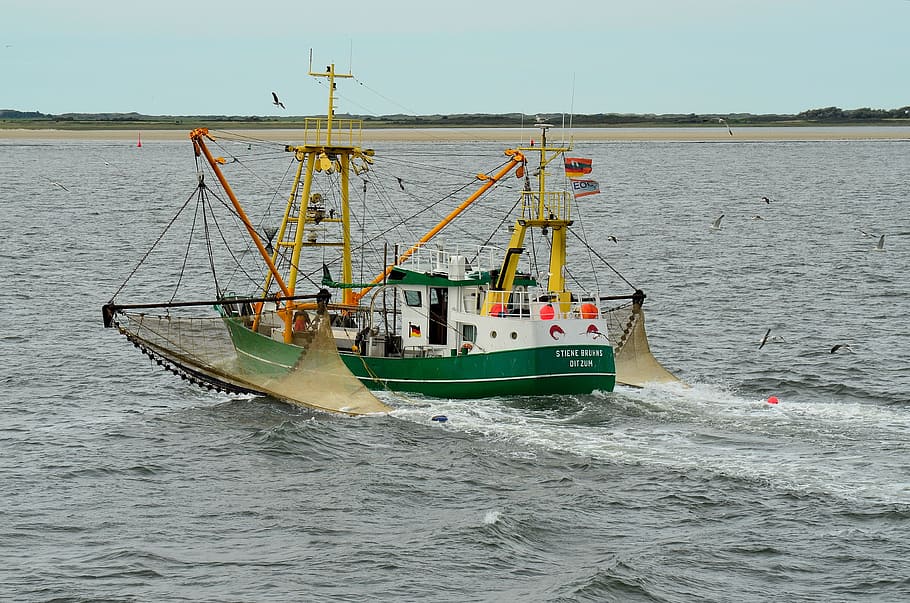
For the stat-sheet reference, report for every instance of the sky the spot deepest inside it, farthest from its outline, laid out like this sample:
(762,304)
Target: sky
(414,57)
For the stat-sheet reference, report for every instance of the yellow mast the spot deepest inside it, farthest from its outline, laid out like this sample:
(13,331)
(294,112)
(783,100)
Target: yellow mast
(329,146)
(324,155)
(550,211)
(307,160)
(553,213)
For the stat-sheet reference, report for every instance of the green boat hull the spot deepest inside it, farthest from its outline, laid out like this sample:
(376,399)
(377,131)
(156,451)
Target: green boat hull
(569,369)
(262,355)
(527,372)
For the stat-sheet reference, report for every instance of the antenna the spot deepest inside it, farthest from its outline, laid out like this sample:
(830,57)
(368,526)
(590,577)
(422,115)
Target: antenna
(572,104)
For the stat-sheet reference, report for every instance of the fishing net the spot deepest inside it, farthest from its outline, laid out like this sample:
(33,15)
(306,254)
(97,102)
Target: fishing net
(635,365)
(200,350)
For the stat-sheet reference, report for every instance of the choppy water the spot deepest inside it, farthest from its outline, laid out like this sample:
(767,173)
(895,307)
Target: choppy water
(121,483)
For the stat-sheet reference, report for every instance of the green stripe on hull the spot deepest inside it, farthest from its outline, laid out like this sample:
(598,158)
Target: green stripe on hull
(536,371)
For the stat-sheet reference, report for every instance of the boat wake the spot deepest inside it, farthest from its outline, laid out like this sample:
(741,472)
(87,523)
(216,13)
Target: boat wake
(707,430)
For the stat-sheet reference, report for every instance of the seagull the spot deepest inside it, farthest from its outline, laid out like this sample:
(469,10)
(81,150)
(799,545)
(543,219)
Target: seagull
(724,121)
(716,224)
(839,346)
(114,167)
(766,200)
(612,238)
(864,233)
(769,338)
(277,102)
(400,183)
(55,183)
(764,339)
(757,217)
(880,246)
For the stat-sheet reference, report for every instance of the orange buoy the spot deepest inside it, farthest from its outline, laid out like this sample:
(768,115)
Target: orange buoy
(773,400)
(547,312)
(588,310)
(497,310)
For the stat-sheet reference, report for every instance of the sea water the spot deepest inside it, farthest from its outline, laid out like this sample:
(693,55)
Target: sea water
(119,482)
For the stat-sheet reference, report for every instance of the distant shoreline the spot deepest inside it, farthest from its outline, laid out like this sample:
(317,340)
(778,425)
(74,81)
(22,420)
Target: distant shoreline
(510,135)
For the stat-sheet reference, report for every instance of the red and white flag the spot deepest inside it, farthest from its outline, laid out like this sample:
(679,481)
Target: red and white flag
(583,188)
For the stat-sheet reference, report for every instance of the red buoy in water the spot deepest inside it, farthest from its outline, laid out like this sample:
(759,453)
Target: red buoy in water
(773,400)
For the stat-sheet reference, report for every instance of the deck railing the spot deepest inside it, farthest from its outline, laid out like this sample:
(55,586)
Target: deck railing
(345,132)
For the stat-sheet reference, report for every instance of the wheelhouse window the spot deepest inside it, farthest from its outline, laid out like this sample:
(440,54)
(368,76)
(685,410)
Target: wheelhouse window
(413,298)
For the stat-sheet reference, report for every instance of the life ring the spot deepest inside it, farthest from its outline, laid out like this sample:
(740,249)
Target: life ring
(466,347)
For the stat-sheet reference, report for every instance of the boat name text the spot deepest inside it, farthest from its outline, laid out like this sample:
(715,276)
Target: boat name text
(578,353)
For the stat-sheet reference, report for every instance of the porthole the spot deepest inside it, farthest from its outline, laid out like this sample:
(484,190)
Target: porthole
(492,334)
(514,335)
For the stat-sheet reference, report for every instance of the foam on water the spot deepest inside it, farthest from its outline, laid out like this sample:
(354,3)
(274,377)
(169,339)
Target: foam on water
(795,446)
(491,517)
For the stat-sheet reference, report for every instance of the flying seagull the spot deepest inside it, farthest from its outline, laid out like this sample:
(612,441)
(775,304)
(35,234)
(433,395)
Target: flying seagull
(716,224)
(55,183)
(400,183)
(880,246)
(841,346)
(764,339)
(724,121)
(612,238)
(766,200)
(277,102)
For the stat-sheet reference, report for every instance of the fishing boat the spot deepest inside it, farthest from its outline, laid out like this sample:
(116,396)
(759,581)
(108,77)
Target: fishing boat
(462,318)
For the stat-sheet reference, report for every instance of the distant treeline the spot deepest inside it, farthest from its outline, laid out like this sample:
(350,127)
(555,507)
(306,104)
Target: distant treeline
(827,115)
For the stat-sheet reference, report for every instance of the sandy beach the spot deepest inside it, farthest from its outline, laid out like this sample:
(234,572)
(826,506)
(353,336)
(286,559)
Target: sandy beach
(508,135)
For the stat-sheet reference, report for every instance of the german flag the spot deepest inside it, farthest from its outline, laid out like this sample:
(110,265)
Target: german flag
(414,330)
(577,166)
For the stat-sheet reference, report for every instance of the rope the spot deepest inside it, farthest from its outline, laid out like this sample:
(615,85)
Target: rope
(402,222)
(208,244)
(498,226)
(154,245)
(189,240)
(600,257)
